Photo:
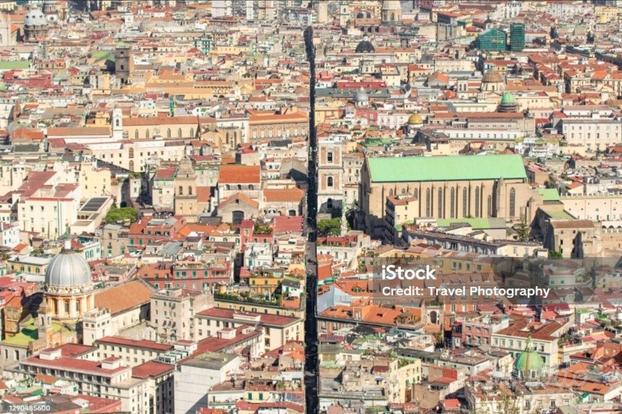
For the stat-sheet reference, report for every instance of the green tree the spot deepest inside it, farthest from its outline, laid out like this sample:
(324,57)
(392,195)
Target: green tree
(329,227)
(555,254)
(522,230)
(121,214)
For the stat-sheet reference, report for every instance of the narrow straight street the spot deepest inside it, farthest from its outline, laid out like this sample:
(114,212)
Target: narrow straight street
(311,339)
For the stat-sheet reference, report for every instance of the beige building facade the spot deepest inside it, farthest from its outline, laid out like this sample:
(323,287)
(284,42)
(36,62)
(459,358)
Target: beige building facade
(446,187)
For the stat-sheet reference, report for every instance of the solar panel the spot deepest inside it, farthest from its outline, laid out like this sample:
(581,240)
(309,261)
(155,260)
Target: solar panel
(94,204)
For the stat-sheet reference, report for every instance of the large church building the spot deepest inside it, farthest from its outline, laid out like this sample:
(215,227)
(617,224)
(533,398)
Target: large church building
(477,186)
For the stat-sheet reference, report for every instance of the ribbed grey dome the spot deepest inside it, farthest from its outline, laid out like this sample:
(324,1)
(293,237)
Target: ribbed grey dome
(364,46)
(68,269)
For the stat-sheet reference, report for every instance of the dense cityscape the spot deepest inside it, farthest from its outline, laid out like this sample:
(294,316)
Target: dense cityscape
(296,206)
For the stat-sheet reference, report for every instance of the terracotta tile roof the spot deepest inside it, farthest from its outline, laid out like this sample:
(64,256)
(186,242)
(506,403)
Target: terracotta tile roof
(203,194)
(276,406)
(283,195)
(524,328)
(205,410)
(73,364)
(46,379)
(572,224)
(288,224)
(165,173)
(239,174)
(151,369)
(124,297)
(195,227)
(212,344)
(268,117)
(27,134)
(161,120)
(135,343)
(242,198)
(265,318)
(67,132)
(75,350)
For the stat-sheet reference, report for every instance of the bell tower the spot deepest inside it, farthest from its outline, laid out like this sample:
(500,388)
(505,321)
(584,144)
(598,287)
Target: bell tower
(44,323)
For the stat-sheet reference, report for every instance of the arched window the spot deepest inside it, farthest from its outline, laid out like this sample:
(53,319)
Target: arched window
(477,202)
(465,202)
(181,190)
(512,202)
(489,206)
(440,202)
(168,133)
(452,200)
(329,182)
(147,134)
(189,190)
(136,134)
(178,132)
(428,203)
(192,132)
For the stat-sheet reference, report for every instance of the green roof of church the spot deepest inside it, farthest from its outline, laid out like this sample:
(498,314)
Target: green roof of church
(508,99)
(529,361)
(477,223)
(549,194)
(446,168)
(14,64)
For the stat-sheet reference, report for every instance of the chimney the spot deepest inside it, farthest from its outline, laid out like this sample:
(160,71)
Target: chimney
(50,354)
(111,363)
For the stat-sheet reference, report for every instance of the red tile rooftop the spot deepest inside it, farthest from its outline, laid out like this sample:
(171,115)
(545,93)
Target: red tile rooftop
(73,364)
(160,120)
(134,343)
(266,319)
(239,174)
(151,369)
(256,407)
(288,224)
(165,173)
(525,328)
(75,350)
(78,131)
(282,195)
(211,344)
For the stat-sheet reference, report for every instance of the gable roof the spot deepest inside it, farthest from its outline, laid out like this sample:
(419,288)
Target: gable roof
(239,174)
(282,195)
(242,198)
(446,168)
(124,297)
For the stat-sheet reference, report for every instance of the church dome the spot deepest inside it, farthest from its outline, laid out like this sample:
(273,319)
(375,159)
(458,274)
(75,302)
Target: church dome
(492,76)
(508,103)
(508,99)
(529,364)
(35,17)
(415,119)
(68,270)
(365,46)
